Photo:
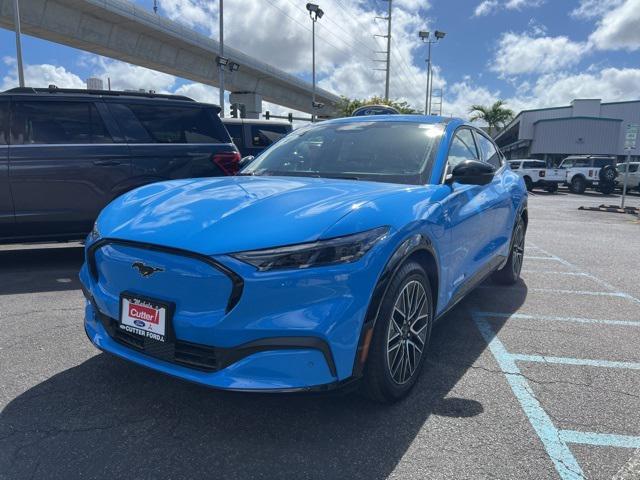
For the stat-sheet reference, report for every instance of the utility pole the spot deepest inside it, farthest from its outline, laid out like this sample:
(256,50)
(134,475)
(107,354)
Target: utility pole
(387,52)
(16,23)
(386,83)
(221,63)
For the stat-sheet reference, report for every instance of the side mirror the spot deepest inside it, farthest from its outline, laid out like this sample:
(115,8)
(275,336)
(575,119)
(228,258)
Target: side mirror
(472,172)
(244,161)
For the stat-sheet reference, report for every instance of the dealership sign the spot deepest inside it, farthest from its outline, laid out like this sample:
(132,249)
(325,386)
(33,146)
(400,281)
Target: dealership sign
(631,138)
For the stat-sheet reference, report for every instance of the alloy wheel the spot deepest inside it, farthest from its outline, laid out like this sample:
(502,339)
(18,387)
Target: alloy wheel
(518,249)
(407,331)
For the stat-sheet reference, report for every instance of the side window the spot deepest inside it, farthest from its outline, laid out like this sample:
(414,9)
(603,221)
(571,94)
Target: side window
(74,123)
(602,162)
(463,147)
(534,165)
(156,123)
(633,168)
(489,152)
(581,163)
(514,165)
(4,122)
(567,164)
(235,132)
(264,135)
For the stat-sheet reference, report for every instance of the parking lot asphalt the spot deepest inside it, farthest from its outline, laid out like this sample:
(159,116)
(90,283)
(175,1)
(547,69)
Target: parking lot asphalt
(539,380)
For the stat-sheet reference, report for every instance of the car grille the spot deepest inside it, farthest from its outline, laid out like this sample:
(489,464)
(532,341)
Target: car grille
(192,355)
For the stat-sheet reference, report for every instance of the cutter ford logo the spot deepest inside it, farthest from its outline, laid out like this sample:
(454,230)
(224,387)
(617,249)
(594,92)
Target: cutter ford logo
(146,270)
(146,314)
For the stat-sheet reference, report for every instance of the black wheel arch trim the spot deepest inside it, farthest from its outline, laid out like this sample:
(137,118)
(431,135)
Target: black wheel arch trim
(237,283)
(415,243)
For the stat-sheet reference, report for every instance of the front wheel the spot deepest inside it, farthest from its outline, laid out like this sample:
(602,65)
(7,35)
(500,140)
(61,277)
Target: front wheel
(528,183)
(401,336)
(607,188)
(552,188)
(510,273)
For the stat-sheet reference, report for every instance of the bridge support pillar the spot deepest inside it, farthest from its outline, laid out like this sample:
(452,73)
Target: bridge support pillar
(252,103)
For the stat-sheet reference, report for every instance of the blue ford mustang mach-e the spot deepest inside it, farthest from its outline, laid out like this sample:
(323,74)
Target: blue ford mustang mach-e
(325,262)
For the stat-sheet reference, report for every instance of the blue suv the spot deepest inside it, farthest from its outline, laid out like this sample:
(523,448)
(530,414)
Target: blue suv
(325,262)
(65,154)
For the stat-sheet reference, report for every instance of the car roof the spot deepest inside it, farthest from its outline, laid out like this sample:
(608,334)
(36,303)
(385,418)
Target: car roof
(253,121)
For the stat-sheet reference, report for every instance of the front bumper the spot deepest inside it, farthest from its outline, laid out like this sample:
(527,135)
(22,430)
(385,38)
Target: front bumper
(289,330)
(278,368)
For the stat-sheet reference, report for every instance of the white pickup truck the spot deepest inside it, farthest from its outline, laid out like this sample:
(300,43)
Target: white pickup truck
(633,181)
(536,174)
(590,171)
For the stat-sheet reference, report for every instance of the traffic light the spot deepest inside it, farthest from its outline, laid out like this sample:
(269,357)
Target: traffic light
(234,110)
(267,115)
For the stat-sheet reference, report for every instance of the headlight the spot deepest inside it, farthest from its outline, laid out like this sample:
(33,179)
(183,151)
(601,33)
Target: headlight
(315,254)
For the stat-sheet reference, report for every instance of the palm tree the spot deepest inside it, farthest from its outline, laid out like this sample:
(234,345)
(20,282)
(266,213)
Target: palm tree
(495,116)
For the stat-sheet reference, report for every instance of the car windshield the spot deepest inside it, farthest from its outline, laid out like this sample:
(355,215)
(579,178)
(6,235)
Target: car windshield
(386,151)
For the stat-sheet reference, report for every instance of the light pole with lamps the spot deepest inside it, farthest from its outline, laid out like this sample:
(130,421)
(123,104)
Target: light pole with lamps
(425,36)
(316,13)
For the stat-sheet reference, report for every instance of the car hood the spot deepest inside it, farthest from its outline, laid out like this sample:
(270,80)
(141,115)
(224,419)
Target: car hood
(230,214)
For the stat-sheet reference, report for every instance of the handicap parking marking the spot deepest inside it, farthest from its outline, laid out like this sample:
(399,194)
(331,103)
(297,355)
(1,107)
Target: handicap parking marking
(557,441)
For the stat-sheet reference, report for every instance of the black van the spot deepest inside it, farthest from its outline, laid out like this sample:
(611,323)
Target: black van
(65,154)
(253,136)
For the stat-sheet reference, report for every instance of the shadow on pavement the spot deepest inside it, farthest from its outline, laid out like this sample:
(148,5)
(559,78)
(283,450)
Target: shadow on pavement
(34,270)
(106,418)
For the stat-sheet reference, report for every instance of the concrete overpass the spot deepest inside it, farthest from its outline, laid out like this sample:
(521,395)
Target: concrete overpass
(119,29)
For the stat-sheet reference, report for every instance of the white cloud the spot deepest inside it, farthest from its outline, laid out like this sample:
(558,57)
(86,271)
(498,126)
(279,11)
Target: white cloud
(487,7)
(619,28)
(589,9)
(39,76)
(125,76)
(519,54)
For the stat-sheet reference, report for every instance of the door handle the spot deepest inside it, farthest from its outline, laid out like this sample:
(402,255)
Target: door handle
(106,163)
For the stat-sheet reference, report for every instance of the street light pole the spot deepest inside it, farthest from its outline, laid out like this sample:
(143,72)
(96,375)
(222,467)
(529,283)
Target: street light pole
(16,23)
(315,13)
(220,65)
(386,83)
(425,36)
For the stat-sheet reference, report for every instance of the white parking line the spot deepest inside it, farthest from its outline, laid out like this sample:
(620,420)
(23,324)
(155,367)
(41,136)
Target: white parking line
(521,357)
(550,272)
(631,470)
(523,316)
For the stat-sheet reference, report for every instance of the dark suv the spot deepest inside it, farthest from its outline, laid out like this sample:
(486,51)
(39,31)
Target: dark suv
(253,136)
(65,154)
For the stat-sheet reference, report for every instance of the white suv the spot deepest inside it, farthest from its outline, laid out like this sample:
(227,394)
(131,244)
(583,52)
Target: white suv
(590,171)
(536,174)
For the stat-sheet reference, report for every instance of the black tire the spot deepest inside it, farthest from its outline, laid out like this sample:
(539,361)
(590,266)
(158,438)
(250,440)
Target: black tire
(510,273)
(607,188)
(608,174)
(552,188)
(528,183)
(383,382)
(578,184)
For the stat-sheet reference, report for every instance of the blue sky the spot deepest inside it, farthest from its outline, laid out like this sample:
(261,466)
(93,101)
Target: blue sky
(532,53)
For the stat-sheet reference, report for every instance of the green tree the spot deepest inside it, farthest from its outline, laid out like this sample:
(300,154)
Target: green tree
(495,116)
(346,106)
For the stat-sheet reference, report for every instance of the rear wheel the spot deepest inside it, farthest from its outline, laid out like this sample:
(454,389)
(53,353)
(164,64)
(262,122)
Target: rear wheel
(401,336)
(578,185)
(528,183)
(510,273)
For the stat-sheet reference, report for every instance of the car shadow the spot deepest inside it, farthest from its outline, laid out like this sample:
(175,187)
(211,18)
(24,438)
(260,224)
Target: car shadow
(39,269)
(106,418)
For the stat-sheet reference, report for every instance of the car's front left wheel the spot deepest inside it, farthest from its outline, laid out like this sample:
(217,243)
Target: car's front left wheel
(401,335)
